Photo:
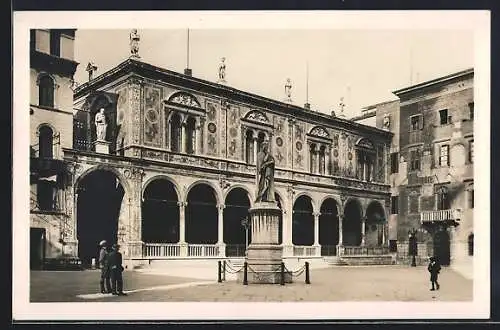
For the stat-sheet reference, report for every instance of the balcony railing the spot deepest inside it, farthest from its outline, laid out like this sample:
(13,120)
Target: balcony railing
(305,251)
(161,250)
(362,250)
(440,215)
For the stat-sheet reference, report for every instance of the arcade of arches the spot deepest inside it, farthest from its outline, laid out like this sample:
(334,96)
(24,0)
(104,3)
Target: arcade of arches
(170,223)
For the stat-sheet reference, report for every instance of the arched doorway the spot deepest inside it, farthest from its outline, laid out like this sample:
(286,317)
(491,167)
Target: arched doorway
(99,201)
(375,225)
(201,215)
(442,246)
(237,204)
(160,213)
(328,227)
(303,222)
(351,225)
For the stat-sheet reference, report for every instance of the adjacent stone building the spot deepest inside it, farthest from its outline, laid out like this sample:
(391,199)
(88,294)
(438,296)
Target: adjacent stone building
(51,129)
(431,167)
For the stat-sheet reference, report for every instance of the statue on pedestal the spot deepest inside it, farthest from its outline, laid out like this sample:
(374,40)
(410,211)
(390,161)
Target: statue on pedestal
(265,175)
(134,43)
(101,125)
(222,70)
(288,90)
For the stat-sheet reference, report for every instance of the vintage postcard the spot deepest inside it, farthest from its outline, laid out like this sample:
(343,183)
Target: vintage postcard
(251,165)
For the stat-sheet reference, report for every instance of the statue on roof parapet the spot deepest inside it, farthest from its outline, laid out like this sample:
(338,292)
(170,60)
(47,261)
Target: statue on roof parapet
(134,43)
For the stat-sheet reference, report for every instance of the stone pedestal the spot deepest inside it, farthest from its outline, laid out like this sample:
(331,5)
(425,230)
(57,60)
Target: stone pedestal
(101,146)
(264,255)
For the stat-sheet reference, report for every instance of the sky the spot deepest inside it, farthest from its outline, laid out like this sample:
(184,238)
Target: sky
(363,66)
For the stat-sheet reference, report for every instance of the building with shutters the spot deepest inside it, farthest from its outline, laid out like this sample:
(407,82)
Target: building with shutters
(432,167)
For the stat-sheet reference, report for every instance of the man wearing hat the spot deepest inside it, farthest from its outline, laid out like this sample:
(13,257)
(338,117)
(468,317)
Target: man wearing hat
(104,265)
(434,268)
(116,268)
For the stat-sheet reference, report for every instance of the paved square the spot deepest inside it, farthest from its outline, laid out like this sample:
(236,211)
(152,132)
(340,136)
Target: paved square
(374,283)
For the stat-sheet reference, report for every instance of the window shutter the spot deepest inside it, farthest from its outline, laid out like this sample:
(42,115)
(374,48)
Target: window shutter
(447,155)
(409,124)
(421,122)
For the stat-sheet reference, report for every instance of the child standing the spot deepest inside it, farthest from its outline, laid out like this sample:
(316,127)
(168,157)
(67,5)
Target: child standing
(434,268)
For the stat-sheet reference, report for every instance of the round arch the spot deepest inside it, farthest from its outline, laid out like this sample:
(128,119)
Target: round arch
(239,186)
(328,226)
(303,221)
(100,202)
(107,168)
(301,194)
(351,224)
(160,212)
(237,202)
(375,224)
(212,185)
(201,214)
(163,177)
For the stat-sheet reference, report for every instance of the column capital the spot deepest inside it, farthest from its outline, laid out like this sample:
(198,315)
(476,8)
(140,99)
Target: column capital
(316,215)
(341,216)
(221,207)
(182,204)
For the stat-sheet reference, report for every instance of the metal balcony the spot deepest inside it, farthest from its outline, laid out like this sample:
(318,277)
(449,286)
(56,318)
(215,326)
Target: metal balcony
(440,216)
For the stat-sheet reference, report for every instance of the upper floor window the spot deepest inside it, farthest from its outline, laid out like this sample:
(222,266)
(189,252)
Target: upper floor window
(190,135)
(443,201)
(45,142)
(444,119)
(444,155)
(394,163)
(470,198)
(415,160)
(55,43)
(175,133)
(471,151)
(46,91)
(249,147)
(46,195)
(471,111)
(416,122)
(394,204)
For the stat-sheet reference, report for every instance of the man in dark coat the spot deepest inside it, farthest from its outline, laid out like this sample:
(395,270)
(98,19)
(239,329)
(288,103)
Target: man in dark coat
(116,268)
(434,268)
(103,265)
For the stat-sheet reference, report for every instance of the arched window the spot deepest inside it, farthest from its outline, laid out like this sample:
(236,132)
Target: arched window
(322,151)
(312,158)
(175,133)
(45,142)
(46,91)
(249,147)
(190,135)
(261,137)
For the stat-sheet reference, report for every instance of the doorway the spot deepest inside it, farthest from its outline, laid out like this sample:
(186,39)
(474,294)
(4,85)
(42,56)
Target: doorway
(37,248)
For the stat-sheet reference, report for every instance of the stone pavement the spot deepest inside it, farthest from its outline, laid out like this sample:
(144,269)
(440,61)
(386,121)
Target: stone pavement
(368,283)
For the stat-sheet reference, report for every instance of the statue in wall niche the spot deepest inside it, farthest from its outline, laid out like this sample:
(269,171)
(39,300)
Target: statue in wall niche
(222,70)
(100,125)
(265,174)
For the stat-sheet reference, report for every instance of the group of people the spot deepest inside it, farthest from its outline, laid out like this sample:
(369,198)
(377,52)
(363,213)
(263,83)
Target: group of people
(110,263)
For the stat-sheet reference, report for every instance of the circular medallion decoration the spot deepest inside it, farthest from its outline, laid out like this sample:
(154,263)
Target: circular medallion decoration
(298,145)
(335,153)
(212,128)
(349,156)
(233,132)
(279,142)
(152,116)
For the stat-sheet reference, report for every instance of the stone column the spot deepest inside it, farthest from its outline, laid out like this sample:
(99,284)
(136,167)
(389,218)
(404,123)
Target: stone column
(182,229)
(340,218)
(363,230)
(327,161)
(255,150)
(183,138)
(220,231)
(287,231)
(318,161)
(197,144)
(316,233)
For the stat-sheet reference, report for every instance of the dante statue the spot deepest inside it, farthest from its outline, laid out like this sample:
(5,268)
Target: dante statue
(265,175)
(100,125)
(288,89)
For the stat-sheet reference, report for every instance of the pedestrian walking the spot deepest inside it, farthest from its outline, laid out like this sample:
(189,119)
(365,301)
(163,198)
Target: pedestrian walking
(116,268)
(434,268)
(105,282)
